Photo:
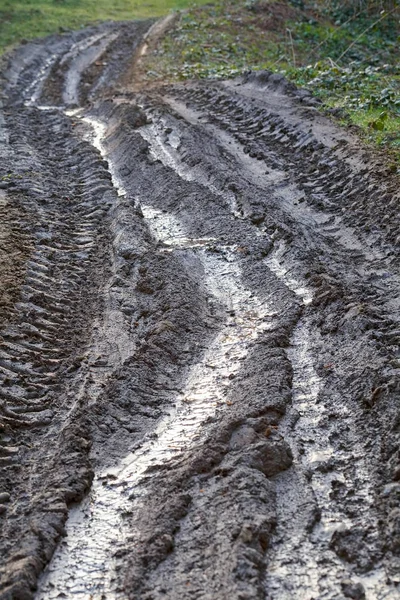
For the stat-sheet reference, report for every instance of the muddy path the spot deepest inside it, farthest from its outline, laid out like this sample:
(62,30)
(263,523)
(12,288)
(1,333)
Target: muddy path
(199,292)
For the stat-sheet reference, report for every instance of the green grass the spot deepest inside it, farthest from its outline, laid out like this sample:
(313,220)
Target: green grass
(26,19)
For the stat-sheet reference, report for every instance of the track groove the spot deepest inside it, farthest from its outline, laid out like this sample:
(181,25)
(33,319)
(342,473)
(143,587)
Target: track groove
(244,450)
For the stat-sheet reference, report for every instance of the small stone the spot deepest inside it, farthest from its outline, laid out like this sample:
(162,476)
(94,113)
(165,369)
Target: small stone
(396,473)
(246,534)
(353,590)
(242,437)
(391,488)
(4,497)
(2,509)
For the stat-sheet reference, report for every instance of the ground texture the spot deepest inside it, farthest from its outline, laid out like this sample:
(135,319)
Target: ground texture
(199,291)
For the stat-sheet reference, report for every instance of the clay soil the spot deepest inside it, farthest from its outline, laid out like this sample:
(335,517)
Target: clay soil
(199,295)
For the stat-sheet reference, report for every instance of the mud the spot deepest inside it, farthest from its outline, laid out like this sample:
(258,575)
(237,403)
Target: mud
(199,336)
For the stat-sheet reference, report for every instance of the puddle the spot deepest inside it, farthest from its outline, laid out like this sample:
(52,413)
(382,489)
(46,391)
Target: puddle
(6,149)
(288,578)
(3,199)
(169,230)
(96,135)
(277,264)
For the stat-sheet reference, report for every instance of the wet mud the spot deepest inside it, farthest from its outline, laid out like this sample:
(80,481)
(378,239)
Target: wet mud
(199,360)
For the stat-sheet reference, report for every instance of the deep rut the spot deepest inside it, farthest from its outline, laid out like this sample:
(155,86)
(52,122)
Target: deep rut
(198,347)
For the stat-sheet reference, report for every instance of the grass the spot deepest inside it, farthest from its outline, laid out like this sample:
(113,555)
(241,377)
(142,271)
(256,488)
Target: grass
(349,60)
(26,19)
(222,40)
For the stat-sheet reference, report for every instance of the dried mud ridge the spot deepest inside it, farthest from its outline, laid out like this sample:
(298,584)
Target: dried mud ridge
(199,291)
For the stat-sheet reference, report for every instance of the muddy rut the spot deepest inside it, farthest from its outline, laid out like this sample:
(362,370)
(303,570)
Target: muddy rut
(199,292)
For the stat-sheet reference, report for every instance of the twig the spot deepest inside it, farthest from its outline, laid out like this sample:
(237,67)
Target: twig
(333,64)
(292,46)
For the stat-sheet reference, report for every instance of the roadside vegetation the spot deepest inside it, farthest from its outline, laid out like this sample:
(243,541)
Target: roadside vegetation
(26,19)
(347,53)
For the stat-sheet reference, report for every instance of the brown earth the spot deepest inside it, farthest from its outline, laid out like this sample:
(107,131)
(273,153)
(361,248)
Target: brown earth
(199,342)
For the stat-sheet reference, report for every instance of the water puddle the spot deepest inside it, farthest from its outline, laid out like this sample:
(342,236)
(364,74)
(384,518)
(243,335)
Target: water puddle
(95,135)
(278,265)
(6,149)
(34,89)
(3,199)
(288,578)
(167,228)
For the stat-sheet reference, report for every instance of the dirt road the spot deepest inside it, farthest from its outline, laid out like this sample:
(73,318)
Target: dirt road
(199,291)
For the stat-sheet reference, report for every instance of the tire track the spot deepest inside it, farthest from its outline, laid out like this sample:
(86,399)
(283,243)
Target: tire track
(99,520)
(42,322)
(269,137)
(44,342)
(173,235)
(167,145)
(162,335)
